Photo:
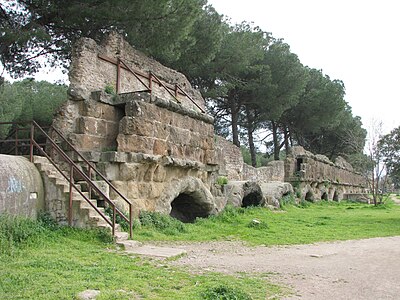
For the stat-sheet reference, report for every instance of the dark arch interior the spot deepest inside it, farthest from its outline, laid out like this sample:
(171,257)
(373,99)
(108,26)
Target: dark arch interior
(324,196)
(186,208)
(309,196)
(335,196)
(299,161)
(252,199)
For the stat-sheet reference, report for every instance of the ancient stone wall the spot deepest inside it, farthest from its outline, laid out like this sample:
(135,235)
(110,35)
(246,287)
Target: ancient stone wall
(90,73)
(231,165)
(229,159)
(316,177)
(160,128)
(157,150)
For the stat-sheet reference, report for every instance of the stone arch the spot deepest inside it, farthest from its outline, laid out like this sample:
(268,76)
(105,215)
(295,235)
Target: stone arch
(186,199)
(324,196)
(252,195)
(309,196)
(335,196)
(187,207)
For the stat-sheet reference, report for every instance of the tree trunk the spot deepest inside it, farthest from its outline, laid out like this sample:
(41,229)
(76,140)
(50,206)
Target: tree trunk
(250,137)
(286,136)
(235,122)
(275,140)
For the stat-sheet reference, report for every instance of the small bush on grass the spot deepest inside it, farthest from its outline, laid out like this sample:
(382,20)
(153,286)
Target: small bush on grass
(304,204)
(223,292)
(229,214)
(288,199)
(222,180)
(118,219)
(161,222)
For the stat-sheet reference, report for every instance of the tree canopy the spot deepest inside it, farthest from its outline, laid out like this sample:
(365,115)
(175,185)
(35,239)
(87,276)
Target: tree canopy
(28,100)
(167,30)
(256,88)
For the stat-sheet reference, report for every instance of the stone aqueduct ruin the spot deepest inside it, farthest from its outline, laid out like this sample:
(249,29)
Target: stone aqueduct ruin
(154,141)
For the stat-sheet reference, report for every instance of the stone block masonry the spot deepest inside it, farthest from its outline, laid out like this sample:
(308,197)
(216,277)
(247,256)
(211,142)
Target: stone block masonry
(88,73)
(151,129)
(316,177)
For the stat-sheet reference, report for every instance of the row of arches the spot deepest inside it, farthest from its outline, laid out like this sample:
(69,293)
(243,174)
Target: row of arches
(188,203)
(186,207)
(311,196)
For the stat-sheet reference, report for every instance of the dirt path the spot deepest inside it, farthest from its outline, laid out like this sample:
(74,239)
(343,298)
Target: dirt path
(357,269)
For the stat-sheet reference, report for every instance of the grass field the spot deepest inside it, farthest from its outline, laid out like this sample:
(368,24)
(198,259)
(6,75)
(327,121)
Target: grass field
(321,221)
(40,260)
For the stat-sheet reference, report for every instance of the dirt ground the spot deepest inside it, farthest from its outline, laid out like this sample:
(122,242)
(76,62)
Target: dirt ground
(356,269)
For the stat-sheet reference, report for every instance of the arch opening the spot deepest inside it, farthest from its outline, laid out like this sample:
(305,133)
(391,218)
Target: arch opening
(335,196)
(252,199)
(309,196)
(324,196)
(187,207)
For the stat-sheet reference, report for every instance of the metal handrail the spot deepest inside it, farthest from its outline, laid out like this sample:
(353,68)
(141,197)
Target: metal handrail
(150,77)
(98,173)
(75,170)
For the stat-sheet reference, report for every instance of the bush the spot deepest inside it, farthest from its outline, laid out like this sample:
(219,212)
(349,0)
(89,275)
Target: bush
(222,180)
(18,231)
(223,292)
(229,214)
(118,219)
(287,200)
(304,204)
(161,222)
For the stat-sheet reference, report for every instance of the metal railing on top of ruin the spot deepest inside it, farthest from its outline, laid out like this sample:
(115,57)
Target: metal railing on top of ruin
(173,90)
(40,148)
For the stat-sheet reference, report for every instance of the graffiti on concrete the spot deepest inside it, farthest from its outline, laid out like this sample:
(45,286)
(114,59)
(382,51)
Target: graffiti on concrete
(14,185)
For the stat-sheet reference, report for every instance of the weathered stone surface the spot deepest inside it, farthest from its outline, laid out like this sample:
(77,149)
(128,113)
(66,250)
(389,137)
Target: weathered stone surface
(161,152)
(234,192)
(317,178)
(88,73)
(274,191)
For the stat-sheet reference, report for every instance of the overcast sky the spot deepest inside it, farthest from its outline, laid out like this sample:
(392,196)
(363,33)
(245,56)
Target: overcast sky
(355,41)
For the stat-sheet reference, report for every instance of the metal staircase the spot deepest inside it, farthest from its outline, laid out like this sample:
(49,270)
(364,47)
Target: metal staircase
(78,183)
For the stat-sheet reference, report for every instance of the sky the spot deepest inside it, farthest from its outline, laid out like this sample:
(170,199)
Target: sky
(355,41)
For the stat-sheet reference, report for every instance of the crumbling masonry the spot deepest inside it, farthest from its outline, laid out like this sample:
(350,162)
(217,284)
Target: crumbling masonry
(155,143)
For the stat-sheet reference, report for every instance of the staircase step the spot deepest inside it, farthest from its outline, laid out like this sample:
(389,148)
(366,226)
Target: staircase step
(121,236)
(79,202)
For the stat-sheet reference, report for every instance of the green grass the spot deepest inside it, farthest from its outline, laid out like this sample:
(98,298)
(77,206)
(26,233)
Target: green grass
(54,262)
(40,260)
(322,221)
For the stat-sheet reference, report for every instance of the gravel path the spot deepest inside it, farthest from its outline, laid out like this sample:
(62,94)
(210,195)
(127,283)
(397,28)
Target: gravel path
(356,269)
